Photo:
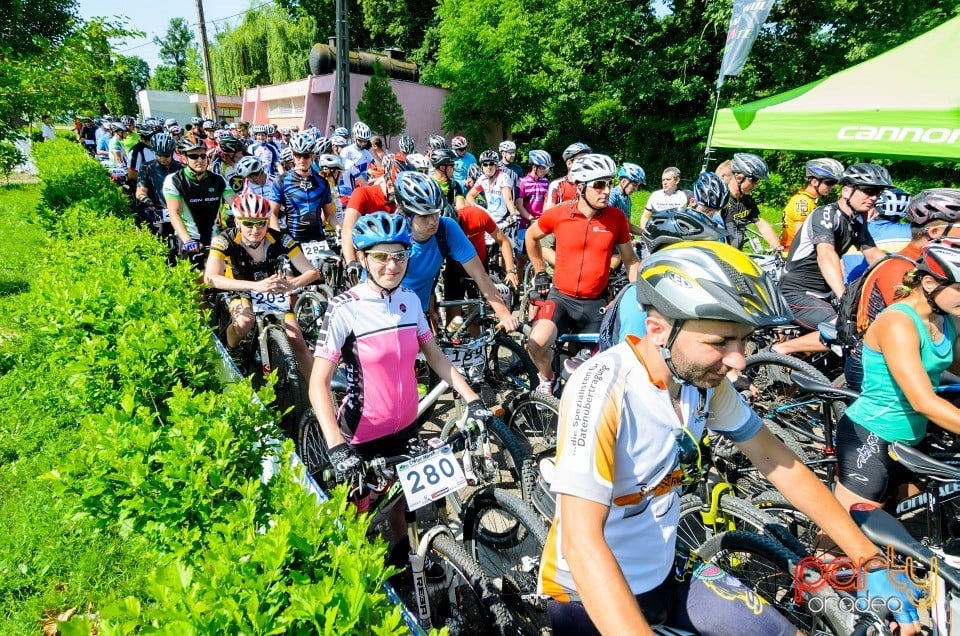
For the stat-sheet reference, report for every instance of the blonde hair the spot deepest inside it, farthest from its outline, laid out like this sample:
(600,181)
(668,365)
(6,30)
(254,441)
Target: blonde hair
(911,280)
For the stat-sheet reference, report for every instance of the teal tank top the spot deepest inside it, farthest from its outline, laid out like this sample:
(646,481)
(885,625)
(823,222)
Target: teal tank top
(882,408)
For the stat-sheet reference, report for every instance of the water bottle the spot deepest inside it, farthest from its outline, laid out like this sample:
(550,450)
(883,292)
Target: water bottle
(454,326)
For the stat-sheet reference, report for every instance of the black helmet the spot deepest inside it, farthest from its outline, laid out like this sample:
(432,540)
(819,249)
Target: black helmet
(672,226)
(443,157)
(229,143)
(187,144)
(866,174)
(418,193)
(750,165)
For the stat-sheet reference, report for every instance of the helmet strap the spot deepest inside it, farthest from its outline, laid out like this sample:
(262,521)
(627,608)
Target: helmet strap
(665,351)
(931,299)
(251,245)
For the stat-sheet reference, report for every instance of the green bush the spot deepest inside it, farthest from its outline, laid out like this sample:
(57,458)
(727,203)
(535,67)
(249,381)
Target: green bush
(69,175)
(152,511)
(10,158)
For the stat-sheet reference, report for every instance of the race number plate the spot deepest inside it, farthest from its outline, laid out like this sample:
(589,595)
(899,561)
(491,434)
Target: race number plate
(429,477)
(269,301)
(314,249)
(468,354)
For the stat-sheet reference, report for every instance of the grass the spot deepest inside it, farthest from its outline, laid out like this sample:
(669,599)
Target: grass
(47,565)
(639,199)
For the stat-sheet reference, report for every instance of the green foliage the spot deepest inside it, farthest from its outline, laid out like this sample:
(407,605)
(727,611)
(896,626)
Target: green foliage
(10,158)
(379,107)
(132,479)
(176,47)
(30,27)
(267,47)
(71,175)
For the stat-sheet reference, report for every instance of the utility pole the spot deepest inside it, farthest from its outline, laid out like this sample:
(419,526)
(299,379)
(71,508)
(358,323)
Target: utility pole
(343,65)
(205,56)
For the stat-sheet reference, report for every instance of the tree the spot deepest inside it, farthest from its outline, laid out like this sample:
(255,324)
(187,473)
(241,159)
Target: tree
(30,27)
(379,107)
(176,47)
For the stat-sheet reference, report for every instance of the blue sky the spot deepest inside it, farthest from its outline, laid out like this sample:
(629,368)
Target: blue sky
(153,19)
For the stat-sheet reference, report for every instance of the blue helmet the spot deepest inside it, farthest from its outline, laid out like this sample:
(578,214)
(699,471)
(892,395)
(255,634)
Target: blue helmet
(711,191)
(381,227)
(540,158)
(341,131)
(633,172)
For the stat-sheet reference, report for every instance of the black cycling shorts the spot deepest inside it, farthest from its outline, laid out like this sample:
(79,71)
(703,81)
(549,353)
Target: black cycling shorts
(454,281)
(863,465)
(810,311)
(572,315)
(707,601)
(388,445)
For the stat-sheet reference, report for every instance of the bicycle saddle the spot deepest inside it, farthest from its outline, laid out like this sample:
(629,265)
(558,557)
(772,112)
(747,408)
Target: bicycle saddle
(826,390)
(923,464)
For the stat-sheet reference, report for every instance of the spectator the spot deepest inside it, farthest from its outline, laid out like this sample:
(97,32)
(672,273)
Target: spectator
(46,129)
(668,198)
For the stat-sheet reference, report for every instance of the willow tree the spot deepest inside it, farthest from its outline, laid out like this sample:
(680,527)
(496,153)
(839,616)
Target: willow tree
(267,47)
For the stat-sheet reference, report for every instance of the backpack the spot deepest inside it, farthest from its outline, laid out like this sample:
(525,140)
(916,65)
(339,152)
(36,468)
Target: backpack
(610,325)
(849,332)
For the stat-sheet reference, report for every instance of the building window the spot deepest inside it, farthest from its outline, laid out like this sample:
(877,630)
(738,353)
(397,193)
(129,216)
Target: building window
(287,107)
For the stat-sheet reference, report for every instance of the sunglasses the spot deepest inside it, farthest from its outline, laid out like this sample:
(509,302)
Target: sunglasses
(601,185)
(751,179)
(197,157)
(828,182)
(397,257)
(251,222)
(487,164)
(304,155)
(871,191)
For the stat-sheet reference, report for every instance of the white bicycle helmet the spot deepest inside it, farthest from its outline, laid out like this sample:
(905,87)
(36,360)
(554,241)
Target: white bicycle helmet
(338,141)
(507,146)
(247,166)
(302,144)
(406,144)
(330,162)
(592,167)
(574,149)
(893,203)
(458,143)
(418,162)
(361,132)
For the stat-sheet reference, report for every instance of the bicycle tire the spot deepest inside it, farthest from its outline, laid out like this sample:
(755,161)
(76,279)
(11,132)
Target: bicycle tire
(312,449)
(477,596)
(739,470)
(309,311)
(512,372)
(767,568)
(290,389)
(733,513)
(782,401)
(526,284)
(512,567)
(534,418)
(503,469)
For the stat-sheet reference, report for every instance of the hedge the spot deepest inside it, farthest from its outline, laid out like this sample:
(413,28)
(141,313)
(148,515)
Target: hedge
(154,508)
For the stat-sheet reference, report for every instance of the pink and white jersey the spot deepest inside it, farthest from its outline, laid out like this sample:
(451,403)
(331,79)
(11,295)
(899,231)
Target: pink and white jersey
(376,336)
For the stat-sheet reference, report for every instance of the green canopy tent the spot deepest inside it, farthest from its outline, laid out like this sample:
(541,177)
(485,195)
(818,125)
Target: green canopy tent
(904,103)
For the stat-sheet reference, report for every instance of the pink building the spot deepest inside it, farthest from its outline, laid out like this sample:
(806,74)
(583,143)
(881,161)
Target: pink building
(313,101)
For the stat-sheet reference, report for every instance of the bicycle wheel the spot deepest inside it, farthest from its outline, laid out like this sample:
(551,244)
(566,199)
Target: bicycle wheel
(526,285)
(534,419)
(312,449)
(290,389)
(466,601)
(508,366)
(697,525)
(511,566)
(309,311)
(780,400)
(767,568)
(740,471)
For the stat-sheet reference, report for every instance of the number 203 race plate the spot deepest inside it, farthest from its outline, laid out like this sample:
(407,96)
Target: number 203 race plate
(431,476)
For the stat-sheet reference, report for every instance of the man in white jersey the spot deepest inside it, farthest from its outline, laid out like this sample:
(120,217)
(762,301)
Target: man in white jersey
(668,198)
(630,420)
(357,159)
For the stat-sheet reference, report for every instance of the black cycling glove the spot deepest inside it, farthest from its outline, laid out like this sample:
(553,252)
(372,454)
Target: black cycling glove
(477,412)
(353,271)
(349,469)
(541,281)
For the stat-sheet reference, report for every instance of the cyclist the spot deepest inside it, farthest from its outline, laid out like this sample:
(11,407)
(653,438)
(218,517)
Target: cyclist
(588,232)
(224,162)
(344,188)
(631,418)
(376,329)
(889,228)
(630,178)
(255,179)
(141,154)
(357,158)
(264,149)
(668,197)
(465,159)
(116,153)
(933,216)
(419,162)
(562,188)
(194,196)
(330,167)
(286,160)
(435,142)
(497,188)
(443,161)
(149,192)
(406,146)
(813,268)
(532,193)
(747,171)
(302,196)
(376,197)
(437,238)
(246,258)
(508,152)
(822,176)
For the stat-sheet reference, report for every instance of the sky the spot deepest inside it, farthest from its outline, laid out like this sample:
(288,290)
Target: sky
(153,19)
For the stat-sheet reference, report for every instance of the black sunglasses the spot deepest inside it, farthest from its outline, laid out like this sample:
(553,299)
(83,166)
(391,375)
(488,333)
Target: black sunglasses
(487,164)
(197,157)
(871,191)
(829,182)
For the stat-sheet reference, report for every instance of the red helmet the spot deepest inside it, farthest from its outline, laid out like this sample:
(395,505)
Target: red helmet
(248,205)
